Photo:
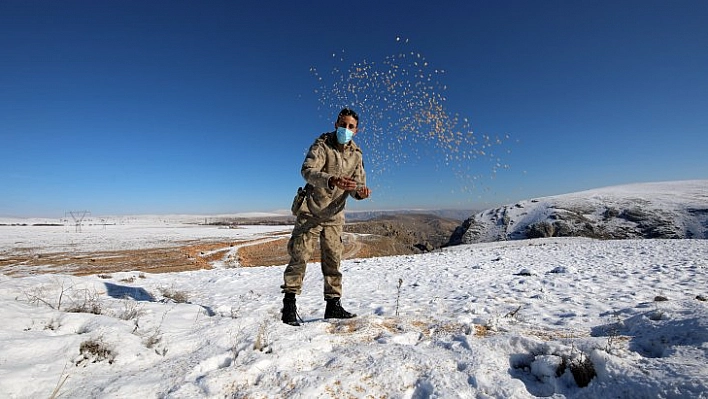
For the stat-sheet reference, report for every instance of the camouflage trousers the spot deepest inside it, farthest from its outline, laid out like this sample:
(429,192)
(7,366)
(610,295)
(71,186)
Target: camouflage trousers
(302,246)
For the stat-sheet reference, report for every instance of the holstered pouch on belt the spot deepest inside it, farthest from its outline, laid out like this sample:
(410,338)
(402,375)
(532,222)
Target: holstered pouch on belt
(298,200)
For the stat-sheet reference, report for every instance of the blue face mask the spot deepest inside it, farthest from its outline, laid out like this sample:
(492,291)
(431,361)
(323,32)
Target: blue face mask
(344,135)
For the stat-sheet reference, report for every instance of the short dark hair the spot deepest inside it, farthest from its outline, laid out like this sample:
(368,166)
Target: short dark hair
(348,112)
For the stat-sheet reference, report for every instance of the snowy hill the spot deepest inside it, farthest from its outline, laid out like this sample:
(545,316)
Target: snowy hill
(648,210)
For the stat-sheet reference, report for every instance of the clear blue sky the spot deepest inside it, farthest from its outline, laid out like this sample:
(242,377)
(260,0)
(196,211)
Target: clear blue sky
(130,107)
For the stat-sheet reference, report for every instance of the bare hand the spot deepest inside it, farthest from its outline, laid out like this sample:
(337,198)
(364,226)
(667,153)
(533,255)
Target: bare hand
(344,183)
(364,192)
(348,184)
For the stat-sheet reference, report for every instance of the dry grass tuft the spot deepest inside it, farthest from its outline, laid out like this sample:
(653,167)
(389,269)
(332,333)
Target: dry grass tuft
(481,331)
(344,327)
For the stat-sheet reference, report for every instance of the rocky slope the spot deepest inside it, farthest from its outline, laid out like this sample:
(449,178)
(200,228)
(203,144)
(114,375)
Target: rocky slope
(416,232)
(671,210)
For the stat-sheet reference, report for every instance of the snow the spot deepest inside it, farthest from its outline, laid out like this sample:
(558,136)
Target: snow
(493,320)
(487,320)
(52,239)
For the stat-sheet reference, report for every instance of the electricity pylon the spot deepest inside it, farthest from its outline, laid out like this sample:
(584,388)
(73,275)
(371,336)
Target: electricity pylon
(78,217)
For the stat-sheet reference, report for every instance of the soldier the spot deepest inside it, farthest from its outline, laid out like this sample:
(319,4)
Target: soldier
(333,170)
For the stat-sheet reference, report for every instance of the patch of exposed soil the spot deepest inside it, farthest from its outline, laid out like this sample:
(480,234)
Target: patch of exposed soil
(193,256)
(386,236)
(269,253)
(275,252)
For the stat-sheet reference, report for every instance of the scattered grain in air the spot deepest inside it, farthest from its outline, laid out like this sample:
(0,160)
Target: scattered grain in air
(404,111)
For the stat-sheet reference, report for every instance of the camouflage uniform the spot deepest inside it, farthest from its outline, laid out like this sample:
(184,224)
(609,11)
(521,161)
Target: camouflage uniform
(322,213)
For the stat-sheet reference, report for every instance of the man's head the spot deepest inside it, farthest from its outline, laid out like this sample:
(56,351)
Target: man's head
(348,119)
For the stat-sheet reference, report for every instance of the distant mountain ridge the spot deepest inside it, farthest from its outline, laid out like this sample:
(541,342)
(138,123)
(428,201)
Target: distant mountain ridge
(671,210)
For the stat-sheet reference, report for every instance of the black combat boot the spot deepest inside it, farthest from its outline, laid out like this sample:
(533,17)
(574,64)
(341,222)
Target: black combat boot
(334,310)
(289,310)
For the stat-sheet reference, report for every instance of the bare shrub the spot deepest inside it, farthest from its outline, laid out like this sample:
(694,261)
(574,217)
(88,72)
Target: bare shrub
(175,295)
(79,301)
(85,301)
(262,342)
(581,367)
(152,338)
(583,370)
(398,294)
(613,332)
(94,351)
(236,342)
(131,310)
(41,295)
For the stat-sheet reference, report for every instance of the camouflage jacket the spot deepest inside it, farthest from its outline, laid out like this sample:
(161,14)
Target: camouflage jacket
(324,160)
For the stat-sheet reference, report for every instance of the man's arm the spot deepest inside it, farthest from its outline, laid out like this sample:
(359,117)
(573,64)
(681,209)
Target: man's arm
(312,167)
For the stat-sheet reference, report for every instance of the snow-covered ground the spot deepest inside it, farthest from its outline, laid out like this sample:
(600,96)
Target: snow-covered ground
(494,320)
(39,240)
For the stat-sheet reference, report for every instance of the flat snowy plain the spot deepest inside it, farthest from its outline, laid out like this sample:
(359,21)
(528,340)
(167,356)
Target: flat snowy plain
(496,320)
